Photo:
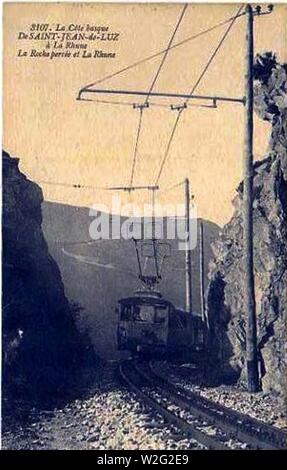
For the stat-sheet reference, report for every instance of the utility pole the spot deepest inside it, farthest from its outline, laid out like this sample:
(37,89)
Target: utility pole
(188,291)
(201,271)
(154,235)
(249,291)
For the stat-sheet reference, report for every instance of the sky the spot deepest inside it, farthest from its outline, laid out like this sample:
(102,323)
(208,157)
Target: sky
(61,140)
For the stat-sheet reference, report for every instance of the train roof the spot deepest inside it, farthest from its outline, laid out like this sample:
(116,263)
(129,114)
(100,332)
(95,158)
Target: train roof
(145,298)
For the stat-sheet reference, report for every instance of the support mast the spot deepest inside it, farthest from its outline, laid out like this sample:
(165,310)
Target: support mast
(188,288)
(249,291)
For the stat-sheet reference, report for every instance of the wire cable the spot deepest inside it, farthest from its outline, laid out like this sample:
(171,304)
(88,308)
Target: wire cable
(71,185)
(136,146)
(210,60)
(230,20)
(150,90)
(166,51)
(215,52)
(157,54)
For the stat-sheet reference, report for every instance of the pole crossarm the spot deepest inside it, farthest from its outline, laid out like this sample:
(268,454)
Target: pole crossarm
(161,94)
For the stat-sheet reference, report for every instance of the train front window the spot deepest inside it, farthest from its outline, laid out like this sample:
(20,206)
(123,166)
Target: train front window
(144,313)
(126,313)
(160,314)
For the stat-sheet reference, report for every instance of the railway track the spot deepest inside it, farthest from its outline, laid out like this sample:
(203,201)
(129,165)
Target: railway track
(259,434)
(196,416)
(139,384)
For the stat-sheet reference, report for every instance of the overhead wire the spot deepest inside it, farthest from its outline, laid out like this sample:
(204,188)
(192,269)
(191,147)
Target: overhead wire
(210,60)
(72,185)
(136,146)
(198,81)
(141,107)
(165,52)
(157,54)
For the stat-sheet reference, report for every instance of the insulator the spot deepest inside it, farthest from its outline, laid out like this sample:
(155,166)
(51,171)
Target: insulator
(175,107)
(140,106)
(258,9)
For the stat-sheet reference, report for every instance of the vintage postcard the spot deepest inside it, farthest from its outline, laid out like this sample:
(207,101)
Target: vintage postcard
(144,228)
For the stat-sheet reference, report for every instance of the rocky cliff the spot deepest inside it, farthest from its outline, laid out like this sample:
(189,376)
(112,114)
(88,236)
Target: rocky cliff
(225,293)
(40,342)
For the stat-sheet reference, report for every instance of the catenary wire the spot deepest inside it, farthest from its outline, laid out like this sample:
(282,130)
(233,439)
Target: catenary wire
(157,54)
(150,90)
(210,60)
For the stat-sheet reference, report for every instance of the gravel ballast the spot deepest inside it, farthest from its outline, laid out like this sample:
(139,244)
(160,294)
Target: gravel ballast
(111,417)
(108,416)
(267,407)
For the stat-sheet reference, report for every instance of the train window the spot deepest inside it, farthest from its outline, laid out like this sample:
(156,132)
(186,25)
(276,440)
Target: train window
(160,314)
(137,313)
(144,313)
(126,313)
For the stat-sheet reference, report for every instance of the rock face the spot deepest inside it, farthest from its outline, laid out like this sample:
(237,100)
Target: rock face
(39,339)
(226,288)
